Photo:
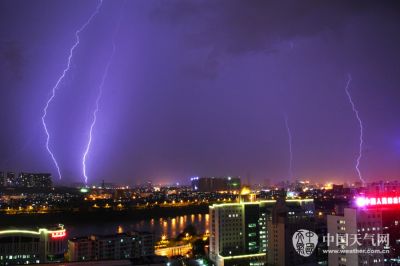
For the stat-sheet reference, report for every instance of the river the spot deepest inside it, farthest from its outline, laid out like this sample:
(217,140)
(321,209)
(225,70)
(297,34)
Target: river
(169,227)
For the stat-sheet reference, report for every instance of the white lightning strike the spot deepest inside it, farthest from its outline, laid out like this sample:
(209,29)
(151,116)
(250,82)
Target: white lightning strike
(96,110)
(55,88)
(361,128)
(94,116)
(290,147)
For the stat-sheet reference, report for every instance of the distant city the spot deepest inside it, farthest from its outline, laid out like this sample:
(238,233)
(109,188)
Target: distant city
(239,224)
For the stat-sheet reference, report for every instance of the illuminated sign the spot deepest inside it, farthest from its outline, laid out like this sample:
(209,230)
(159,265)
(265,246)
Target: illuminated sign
(53,233)
(58,234)
(377,201)
(242,256)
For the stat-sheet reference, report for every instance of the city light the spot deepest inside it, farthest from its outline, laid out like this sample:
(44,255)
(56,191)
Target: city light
(245,191)
(53,233)
(377,201)
(242,256)
(58,234)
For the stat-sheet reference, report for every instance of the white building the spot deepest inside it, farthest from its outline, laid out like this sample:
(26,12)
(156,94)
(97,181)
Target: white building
(238,233)
(361,223)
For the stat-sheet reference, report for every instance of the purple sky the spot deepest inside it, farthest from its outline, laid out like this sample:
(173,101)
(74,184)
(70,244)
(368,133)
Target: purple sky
(202,88)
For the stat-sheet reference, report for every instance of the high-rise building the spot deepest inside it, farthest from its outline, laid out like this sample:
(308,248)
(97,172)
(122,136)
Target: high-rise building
(233,183)
(355,229)
(286,218)
(2,179)
(238,232)
(391,227)
(195,183)
(34,180)
(26,180)
(213,184)
(375,217)
(111,247)
(22,246)
(10,179)
(146,242)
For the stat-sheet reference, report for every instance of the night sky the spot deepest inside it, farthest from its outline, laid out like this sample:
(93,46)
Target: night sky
(201,88)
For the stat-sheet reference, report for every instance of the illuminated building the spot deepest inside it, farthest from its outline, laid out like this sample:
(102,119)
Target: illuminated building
(34,180)
(364,221)
(111,247)
(10,179)
(213,184)
(388,205)
(233,183)
(194,183)
(180,250)
(238,232)
(26,180)
(2,179)
(7,180)
(286,217)
(29,246)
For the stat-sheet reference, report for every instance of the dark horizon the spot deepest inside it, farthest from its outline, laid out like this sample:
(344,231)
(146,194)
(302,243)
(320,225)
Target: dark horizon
(202,88)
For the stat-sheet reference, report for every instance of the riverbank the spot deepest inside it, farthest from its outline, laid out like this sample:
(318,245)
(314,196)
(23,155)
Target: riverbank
(101,216)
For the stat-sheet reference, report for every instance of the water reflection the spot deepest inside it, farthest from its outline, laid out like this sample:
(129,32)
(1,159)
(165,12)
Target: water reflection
(170,227)
(120,229)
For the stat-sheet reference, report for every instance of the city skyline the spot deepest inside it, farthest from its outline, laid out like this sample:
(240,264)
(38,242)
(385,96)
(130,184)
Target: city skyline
(202,89)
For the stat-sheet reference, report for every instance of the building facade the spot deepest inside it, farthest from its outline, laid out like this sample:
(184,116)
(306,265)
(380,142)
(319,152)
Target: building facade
(26,180)
(34,180)
(238,232)
(7,179)
(173,251)
(363,224)
(213,184)
(2,179)
(32,246)
(286,218)
(111,247)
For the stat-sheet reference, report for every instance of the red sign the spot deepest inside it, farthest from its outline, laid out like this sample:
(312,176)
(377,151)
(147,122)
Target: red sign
(376,201)
(58,234)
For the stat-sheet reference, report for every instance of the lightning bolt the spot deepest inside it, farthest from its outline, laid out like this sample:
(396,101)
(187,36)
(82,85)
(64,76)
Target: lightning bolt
(97,104)
(290,147)
(353,106)
(94,116)
(56,86)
